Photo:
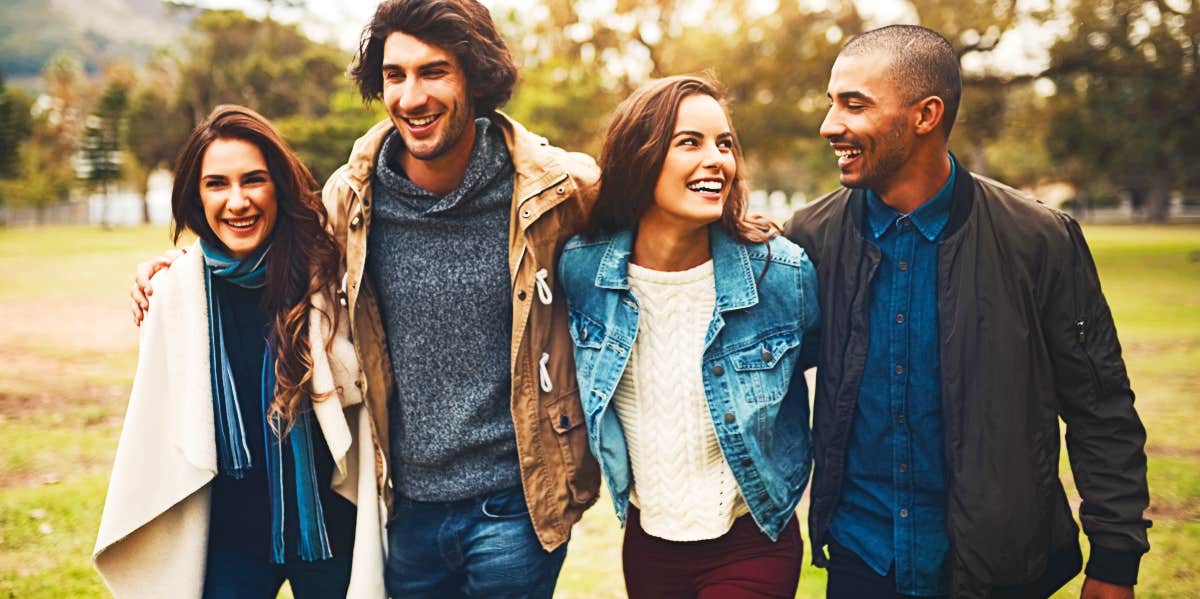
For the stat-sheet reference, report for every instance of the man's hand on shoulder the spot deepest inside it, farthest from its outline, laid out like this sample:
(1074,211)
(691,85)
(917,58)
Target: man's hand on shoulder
(1098,589)
(141,291)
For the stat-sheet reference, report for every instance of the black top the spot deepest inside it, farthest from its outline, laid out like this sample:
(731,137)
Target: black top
(241,508)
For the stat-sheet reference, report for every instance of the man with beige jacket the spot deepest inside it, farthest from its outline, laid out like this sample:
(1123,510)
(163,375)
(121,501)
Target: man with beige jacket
(451,216)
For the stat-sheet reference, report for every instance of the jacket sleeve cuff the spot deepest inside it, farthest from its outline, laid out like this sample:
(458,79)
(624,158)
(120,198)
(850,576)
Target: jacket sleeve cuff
(1114,566)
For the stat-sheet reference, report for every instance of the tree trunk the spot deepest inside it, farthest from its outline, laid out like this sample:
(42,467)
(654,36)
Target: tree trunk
(979,161)
(1157,206)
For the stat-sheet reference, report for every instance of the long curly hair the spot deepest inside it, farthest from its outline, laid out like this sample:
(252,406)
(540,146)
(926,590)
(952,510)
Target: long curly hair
(304,259)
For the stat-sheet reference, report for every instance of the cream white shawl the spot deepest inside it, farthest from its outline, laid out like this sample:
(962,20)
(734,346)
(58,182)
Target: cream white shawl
(154,530)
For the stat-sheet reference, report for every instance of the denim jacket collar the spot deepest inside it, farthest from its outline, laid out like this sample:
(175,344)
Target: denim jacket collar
(736,289)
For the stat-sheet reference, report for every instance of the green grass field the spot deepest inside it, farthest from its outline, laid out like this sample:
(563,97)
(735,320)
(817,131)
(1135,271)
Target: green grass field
(68,350)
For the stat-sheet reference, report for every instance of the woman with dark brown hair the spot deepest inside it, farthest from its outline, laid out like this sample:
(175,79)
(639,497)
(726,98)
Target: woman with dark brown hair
(238,465)
(689,325)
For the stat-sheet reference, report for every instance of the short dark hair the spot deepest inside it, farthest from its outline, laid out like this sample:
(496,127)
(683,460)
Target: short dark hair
(463,27)
(923,64)
(635,148)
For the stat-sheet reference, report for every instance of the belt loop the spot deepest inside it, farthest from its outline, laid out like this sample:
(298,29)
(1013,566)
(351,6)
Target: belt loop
(543,288)
(544,374)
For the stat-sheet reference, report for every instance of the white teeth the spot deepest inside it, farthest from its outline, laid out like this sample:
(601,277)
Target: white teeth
(846,153)
(421,122)
(242,222)
(706,186)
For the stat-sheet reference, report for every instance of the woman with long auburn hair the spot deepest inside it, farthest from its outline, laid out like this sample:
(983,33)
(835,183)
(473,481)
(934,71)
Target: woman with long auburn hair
(245,446)
(689,323)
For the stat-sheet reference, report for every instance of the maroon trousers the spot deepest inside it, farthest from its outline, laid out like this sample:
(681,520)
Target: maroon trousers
(741,564)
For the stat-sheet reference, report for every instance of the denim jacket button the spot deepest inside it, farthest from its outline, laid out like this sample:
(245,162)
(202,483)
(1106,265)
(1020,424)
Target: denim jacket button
(718,370)
(747,462)
(766,356)
(729,418)
(763,497)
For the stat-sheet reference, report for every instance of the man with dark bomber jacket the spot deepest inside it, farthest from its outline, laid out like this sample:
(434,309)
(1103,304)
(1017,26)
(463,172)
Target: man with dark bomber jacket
(961,320)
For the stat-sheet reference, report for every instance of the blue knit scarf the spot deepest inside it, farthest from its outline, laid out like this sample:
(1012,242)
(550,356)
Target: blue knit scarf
(233,454)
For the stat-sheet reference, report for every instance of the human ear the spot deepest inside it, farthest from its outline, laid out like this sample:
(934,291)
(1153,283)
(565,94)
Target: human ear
(929,112)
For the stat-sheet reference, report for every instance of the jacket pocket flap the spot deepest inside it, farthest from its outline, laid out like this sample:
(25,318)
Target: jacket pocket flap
(585,330)
(765,353)
(566,413)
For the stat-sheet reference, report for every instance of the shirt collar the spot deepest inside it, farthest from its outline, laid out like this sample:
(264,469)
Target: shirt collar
(930,218)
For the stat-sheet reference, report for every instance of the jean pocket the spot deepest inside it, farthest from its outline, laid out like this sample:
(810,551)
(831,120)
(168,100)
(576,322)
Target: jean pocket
(505,505)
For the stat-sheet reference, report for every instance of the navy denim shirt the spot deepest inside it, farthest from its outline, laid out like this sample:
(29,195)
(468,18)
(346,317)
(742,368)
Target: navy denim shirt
(751,367)
(893,505)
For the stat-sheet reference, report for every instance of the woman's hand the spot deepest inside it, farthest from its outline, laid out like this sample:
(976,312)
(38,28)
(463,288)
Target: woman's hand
(141,291)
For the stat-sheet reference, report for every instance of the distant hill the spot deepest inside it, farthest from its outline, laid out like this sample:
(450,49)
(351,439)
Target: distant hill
(96,31)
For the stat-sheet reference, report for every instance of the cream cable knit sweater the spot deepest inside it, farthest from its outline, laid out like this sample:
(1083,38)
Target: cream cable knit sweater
(681,483)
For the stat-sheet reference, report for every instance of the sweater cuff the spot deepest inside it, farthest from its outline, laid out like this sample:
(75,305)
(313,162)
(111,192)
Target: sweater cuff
(1113,566)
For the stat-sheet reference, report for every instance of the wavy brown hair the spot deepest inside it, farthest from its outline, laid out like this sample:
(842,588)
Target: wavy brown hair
(636,146)
(304,257)
(463,27)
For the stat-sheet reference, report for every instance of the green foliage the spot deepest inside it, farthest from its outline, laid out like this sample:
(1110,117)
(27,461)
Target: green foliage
(266,65)
(1128,104)
(324,143)
(15,126)
(103,137)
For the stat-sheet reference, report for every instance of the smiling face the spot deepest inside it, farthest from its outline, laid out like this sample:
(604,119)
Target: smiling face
(426,94)
(868,123)
(698,169)
(238,195)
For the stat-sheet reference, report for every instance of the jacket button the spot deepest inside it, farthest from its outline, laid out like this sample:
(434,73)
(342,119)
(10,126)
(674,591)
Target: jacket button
(763,497)
(903,513)
(521,295)
(729,418)
(718,370)
(903,266)
(525,214)
(747,462)
(560,191)
(527,461)
(583,334)
(899,369)
(766,356)
(356,221)
(900,318)
(564,421)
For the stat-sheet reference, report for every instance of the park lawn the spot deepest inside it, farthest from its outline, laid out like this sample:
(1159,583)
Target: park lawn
(69,351)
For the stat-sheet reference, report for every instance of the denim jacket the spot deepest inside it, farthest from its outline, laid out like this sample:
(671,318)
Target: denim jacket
(752,371)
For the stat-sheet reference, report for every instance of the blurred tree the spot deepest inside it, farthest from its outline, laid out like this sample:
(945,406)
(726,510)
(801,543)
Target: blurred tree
(1127,108)
(15,127)
(101,156)
(324,143)
(263,64)
(157,126)
(46,171)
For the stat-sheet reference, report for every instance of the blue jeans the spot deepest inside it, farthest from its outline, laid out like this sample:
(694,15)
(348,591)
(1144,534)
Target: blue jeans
(481,547)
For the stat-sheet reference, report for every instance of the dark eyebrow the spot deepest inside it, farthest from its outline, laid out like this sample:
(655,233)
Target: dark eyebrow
(852,95)
(699,134)
(434,65)
(261,171)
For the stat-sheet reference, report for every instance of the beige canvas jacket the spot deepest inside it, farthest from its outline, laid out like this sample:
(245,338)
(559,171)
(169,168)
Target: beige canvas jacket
(553,191)
(154,531)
